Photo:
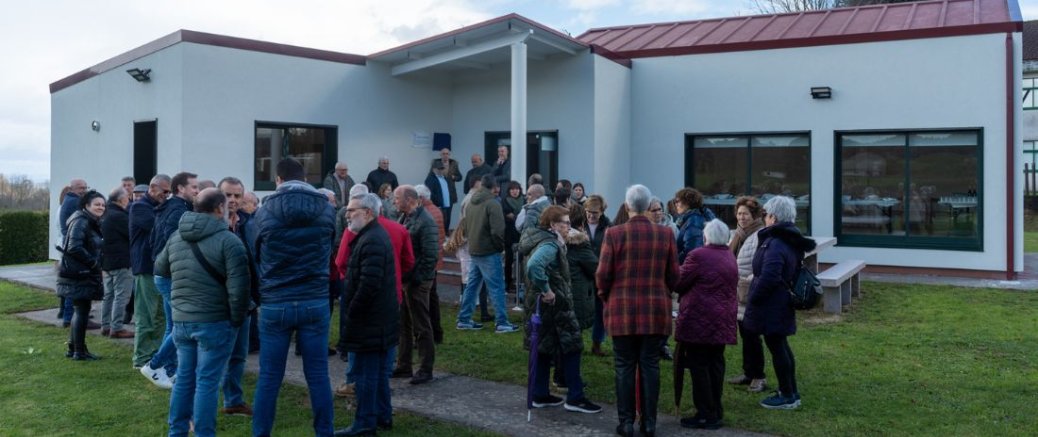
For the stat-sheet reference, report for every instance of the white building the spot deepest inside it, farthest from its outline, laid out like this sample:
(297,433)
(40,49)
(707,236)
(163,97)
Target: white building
(896,127)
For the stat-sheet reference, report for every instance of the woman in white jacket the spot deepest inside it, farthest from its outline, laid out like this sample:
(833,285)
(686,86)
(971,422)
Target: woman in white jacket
(749,218)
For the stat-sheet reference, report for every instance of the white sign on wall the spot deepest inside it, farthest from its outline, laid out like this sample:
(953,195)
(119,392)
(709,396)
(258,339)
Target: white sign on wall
(421,140)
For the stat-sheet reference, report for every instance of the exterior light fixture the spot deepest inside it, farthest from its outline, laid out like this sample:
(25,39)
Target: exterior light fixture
(139,74)
(95,126)
(821,92)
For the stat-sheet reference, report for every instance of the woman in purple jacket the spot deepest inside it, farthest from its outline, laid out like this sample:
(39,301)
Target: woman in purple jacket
(707,321)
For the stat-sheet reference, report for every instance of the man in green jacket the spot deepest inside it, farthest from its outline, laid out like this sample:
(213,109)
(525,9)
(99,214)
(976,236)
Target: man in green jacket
(210,299)
(484,226)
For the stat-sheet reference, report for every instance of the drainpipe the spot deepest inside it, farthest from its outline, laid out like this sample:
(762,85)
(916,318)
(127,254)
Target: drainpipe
(1010,161)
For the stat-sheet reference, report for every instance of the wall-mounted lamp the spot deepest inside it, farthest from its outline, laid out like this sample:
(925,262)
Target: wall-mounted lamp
(139,74)
(821,92)
(95,126)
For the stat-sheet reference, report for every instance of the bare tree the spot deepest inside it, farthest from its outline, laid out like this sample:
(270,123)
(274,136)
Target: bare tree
(783,6)
(20,192)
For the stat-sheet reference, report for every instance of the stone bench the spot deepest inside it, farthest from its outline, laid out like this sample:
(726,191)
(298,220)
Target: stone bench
(839,283)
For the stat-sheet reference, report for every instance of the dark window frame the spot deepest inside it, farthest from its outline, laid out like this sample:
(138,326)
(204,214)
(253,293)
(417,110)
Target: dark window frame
(906,241)
(690,176)
(329,154)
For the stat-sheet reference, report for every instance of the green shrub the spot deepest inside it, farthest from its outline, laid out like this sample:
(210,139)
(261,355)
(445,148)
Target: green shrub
(23,236)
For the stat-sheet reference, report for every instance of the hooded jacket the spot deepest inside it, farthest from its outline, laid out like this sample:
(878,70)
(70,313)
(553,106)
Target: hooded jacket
(780,249)
(546,268)
(583,261)
(296,225)
(690,230)
(484,224)
(196,295)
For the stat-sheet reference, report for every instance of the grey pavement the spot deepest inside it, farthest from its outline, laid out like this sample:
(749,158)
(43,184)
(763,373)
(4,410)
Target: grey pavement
(472,402)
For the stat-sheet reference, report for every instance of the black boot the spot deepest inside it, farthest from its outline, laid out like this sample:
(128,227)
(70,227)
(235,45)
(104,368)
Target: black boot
(82,354)
(71,351)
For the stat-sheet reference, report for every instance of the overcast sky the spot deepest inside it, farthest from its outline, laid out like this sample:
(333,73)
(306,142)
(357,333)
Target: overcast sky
(43,41)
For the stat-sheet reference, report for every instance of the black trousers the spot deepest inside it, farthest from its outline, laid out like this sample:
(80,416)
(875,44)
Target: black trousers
(785,364)
(77,334)
(446,219)
(752,353)
(706,362)
(641,352)
(434,313)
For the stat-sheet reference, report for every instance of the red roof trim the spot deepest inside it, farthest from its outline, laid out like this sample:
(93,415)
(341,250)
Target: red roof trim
(503,18)
(826,40)
(210,39)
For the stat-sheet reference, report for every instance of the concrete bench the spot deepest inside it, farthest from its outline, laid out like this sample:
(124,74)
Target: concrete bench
(839,283)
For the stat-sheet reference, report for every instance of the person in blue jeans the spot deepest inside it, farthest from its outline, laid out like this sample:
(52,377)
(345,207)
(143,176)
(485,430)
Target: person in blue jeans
(296,225)
(210,297)
(372,326)
(484,226)
(167,219)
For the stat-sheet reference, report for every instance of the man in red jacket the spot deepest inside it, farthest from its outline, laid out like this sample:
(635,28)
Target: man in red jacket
(637,271)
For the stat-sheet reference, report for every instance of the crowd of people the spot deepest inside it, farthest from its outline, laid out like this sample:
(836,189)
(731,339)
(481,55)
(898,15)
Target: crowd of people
(209,275)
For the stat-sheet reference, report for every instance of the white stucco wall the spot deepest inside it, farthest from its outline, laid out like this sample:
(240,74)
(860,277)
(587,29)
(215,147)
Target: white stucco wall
(612,124)
(927,83)
(116,101)
(228,90)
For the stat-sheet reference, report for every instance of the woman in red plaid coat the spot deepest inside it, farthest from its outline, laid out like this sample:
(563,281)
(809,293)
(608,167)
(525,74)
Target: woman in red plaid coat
(637,272)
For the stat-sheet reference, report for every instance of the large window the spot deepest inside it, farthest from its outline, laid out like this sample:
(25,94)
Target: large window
(726,166)
(315,147)
(916,189)
(1029,90)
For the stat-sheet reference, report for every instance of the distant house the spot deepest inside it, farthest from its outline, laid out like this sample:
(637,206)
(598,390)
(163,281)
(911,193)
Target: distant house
(896,127)
(1029,124)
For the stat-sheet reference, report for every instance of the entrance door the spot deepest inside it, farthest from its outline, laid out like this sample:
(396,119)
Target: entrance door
(145,150)
(542,154)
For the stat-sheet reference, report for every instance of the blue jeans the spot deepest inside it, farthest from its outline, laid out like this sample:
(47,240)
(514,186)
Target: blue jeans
(203,350)
(278,322)
(485,268)
(166,357)
(233,395)
(66,310)
(351,375)
(372,371)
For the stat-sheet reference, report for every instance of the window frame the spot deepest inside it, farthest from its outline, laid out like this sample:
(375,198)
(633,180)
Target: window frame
(329,154)
(906,241)
(690,176)
(1032,90)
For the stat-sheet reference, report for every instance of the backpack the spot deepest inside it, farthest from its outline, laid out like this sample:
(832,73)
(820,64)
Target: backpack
(806,290)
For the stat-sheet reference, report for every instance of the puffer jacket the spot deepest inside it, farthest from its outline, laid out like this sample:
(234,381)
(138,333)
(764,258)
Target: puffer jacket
(296,225)
(372,310)
(745,263)
(197,296)
(484,224)
(115,228)
(690,230)
(79,272)
(708,304)
(780,249)
(547,267)
(167,220)
(425,243)
(583,261)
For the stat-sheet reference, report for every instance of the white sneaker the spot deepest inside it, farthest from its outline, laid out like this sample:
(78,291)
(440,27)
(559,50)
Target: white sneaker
(157,377)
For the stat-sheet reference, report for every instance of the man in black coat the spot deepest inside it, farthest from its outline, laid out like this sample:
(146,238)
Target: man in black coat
(381,175)
(115,263)
(479,168)
(416,326)
(372,315)
(503,167)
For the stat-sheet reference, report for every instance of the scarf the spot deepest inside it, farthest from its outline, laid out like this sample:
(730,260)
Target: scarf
(741,233)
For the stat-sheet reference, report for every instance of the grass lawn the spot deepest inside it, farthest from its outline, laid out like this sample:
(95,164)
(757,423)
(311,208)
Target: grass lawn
(906,360)
(42,393)
(1030,241)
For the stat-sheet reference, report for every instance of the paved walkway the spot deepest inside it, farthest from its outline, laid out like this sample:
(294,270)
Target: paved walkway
(473,402)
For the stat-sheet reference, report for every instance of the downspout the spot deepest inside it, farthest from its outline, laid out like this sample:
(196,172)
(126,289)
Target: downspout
(1010,162)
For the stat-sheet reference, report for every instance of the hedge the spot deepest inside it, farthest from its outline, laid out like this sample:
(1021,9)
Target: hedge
(23,236)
